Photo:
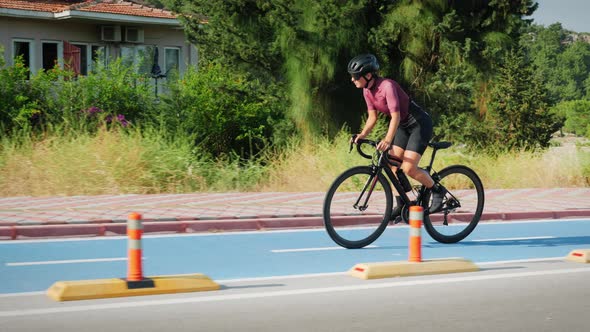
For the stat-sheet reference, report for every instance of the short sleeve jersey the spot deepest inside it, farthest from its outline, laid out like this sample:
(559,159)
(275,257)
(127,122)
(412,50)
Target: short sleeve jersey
(387,96)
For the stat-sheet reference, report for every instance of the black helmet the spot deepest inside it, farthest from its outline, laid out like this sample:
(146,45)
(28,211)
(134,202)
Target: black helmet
(363,64)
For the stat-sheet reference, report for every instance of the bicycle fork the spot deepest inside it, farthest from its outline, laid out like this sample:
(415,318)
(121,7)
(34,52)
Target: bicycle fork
(372,181)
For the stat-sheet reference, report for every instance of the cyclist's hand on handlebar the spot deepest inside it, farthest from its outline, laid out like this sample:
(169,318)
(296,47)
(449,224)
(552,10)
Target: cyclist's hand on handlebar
(357,137)
(384,145)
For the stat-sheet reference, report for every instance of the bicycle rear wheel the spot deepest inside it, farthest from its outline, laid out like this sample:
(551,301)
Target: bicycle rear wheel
(357,207)
(462,205)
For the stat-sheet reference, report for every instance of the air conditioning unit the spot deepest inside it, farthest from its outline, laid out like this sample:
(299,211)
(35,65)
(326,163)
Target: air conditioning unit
(110,33)
(133,35)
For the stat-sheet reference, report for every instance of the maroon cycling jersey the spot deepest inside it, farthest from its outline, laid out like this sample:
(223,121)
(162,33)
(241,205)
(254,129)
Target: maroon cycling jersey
(387,96)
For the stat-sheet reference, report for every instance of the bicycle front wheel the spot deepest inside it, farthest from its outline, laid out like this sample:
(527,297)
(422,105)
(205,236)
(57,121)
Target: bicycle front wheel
(462,205)
(357,207)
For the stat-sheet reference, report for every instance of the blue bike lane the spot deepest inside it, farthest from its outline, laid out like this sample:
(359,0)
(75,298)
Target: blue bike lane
(31,266)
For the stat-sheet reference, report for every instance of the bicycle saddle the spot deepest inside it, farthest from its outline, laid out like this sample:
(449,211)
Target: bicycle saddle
(440,145)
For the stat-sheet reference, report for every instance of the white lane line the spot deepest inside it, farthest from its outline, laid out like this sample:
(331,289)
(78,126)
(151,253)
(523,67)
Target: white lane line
(292,276)
(515,239)
(305,291)
(70,261)
(21,294)
(530,260)
(313,249)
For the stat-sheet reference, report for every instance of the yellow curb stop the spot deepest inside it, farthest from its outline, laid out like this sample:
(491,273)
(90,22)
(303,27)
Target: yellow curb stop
(403,268)
(107,288)
(579,256)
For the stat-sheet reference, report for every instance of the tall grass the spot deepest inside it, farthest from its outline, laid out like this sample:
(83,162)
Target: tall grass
(143,161)
(313,166)
(113,161)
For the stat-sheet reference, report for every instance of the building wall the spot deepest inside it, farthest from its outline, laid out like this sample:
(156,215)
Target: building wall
(85,32)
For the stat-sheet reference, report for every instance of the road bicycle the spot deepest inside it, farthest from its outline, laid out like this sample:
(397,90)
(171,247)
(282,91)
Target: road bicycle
(358,206)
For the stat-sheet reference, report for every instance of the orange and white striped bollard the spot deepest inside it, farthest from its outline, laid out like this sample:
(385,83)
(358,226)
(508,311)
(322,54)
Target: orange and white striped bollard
(415,245)
(134,231)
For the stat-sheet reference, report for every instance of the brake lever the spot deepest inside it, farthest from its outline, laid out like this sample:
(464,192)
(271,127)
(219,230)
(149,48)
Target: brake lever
(352,143)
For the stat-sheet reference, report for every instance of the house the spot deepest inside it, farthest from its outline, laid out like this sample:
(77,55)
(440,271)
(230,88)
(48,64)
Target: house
(76,33)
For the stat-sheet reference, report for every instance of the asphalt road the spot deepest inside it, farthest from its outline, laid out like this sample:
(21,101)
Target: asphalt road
(296,281)
(537,296)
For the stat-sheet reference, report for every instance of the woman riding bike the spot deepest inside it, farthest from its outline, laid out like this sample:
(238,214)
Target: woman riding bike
(410,128)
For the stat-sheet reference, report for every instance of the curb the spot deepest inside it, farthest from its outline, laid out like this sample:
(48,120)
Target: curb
(108,288)
(406,269)
(579,256)
(13,231)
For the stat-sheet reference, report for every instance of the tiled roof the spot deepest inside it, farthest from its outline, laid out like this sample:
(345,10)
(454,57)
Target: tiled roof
(97,6)
(52,6)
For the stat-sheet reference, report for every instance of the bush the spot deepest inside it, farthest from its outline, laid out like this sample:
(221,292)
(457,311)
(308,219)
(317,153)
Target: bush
(17,101)
(223,110)
(56,98)
(116,90)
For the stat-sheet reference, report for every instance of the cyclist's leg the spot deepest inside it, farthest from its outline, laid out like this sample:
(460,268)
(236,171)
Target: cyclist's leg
(420,135)
(399,142)
(410,167)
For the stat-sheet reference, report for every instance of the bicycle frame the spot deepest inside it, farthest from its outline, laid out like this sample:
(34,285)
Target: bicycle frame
(384,163)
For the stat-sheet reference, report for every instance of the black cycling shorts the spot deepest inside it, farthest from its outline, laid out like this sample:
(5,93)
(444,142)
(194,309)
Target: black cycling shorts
(415,132)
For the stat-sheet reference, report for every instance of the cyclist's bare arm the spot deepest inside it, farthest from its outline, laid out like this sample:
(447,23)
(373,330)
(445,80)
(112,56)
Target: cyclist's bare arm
(369,125)
(388,140)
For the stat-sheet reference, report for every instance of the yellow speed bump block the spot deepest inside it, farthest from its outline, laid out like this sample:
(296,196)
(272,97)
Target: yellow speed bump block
(107,288)
(579,256)
(403,269)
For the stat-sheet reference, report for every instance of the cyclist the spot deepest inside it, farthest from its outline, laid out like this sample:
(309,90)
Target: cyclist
(410,128)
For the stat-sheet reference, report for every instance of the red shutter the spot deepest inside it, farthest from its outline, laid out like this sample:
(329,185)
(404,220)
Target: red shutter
(72,58)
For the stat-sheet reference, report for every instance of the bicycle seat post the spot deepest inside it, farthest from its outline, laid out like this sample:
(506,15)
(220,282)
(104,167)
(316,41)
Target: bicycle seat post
(434,149)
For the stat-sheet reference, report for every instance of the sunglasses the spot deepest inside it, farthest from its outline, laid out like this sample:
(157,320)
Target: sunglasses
(356,77)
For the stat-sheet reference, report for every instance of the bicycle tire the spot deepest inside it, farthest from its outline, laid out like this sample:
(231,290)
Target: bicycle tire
(464,203)
(348,225)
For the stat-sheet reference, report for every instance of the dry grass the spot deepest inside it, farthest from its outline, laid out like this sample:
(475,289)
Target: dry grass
(557,167)
(313,167)
(107,163)
(113,162)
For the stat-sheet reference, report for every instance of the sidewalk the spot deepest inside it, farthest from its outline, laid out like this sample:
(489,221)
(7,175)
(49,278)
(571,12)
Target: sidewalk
(42,217)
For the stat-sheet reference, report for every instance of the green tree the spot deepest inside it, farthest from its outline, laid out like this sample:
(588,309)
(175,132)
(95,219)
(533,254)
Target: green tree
(572,70)
(299,42)
(562,64)
(443,52)
(519,115)
(416,36)
(577,116)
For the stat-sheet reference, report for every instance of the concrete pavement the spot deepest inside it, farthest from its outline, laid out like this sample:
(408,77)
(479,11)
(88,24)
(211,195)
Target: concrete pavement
(41,217)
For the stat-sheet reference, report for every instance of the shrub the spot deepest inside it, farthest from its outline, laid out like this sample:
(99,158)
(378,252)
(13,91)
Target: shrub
(17,101)
(223,110)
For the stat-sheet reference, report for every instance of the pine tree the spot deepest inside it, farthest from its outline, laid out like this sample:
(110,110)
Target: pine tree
(518,113)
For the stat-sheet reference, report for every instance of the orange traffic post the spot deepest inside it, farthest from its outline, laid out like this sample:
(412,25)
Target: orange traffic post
(416,215)
(135,284)
(134,231)
(409,268)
